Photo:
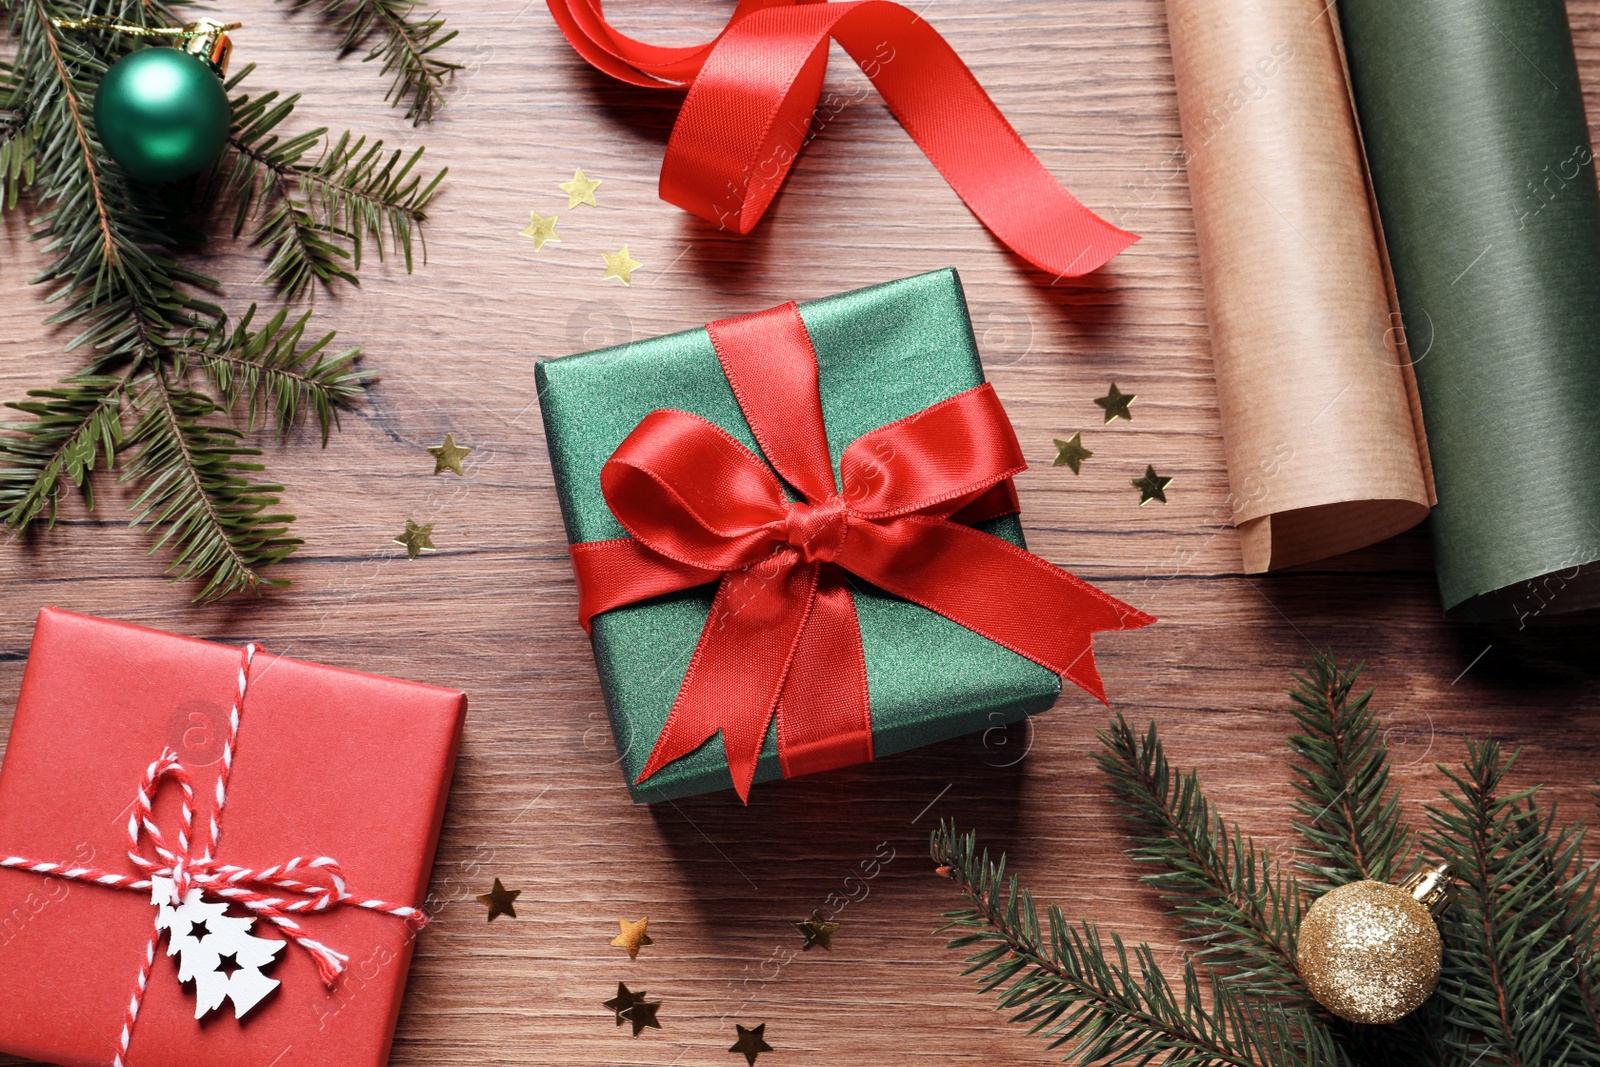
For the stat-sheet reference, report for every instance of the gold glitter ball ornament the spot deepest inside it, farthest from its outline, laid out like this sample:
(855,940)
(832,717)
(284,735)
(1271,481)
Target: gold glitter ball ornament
(1369,951)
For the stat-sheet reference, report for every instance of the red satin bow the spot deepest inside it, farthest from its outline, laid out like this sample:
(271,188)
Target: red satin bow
(782,637)
(753,98)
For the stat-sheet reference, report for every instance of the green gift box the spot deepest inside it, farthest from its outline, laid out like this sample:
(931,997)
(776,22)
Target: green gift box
(883,353)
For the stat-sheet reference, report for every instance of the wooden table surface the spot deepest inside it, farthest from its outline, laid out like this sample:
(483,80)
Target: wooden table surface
(538,800)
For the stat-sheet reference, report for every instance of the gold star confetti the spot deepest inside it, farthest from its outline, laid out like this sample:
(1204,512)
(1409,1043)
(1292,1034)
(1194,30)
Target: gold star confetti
(620,265)
(580,190)
(417,539)
(817,931)
(1151,486)
(751,1042)
(1071,453)
(629,1006)
(633,936)
(499,900)
(542,228)
(1116,404)
(623,1002)
(448,456)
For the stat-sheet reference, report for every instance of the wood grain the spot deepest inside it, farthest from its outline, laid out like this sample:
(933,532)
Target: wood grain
(538,801)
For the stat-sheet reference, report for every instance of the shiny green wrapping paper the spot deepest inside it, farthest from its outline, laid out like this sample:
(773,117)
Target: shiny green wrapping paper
(883,353)
(1479,153)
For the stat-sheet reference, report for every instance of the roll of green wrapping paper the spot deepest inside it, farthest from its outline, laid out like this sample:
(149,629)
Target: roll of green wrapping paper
(1479,153)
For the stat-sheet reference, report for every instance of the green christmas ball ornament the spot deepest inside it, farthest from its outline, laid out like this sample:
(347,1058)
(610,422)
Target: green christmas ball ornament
(162,113)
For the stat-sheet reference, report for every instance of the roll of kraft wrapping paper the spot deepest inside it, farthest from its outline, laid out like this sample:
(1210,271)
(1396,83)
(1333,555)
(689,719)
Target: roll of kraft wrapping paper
(1319,416)
(1479,152)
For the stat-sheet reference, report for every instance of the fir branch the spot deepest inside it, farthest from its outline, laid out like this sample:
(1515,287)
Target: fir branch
(279,377)
(370,196)
(113,253)
(318,216)
(1503,982)
(1574,919)
(198,495)
(404,40)
(1106,1009)
(1349,815)
(74,427)
(70,95)
(1222,888)
(16,140)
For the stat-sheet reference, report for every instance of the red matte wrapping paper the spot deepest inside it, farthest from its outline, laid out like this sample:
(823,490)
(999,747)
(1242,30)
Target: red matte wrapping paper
(328,762)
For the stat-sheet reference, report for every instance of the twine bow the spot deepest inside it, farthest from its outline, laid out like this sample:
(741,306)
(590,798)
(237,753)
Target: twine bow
(276,893)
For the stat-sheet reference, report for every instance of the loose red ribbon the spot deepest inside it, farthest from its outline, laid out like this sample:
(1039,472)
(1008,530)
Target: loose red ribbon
(752,96)
(782,638)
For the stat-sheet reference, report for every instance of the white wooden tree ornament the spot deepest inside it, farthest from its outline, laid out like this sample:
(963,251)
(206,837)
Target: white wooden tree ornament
(215,951)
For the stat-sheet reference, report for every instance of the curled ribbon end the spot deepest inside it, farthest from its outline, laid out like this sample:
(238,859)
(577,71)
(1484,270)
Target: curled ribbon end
(1106,245)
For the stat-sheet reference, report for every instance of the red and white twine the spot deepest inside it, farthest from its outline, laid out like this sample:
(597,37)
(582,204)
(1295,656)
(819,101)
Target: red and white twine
(251,888)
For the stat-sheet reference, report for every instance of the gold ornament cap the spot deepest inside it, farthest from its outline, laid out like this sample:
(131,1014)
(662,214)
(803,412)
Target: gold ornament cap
(1369,951)
(208,40)
(1433,889)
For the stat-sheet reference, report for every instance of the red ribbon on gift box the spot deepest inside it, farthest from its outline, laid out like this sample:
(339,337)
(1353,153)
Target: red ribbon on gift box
(752,98)
(782,638)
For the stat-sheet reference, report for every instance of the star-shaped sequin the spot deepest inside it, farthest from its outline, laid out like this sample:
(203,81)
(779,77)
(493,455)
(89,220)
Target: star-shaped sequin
(499,900)
(623,1002)
(752,1042)
(580,190)
(417,539)
(817,931)
(620,265)
(448,455)
(542,228)
(629,1006)
(633,936)
(1115,404)
(1151,486)
(1071,453)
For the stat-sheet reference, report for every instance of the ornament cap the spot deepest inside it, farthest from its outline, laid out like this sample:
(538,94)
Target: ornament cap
(208,40)
(1432,888)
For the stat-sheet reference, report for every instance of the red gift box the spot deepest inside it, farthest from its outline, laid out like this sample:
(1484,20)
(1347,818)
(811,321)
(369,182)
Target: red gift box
(327,763)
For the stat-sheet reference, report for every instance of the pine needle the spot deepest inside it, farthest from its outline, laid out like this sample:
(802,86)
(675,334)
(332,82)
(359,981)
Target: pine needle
(1348,814)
